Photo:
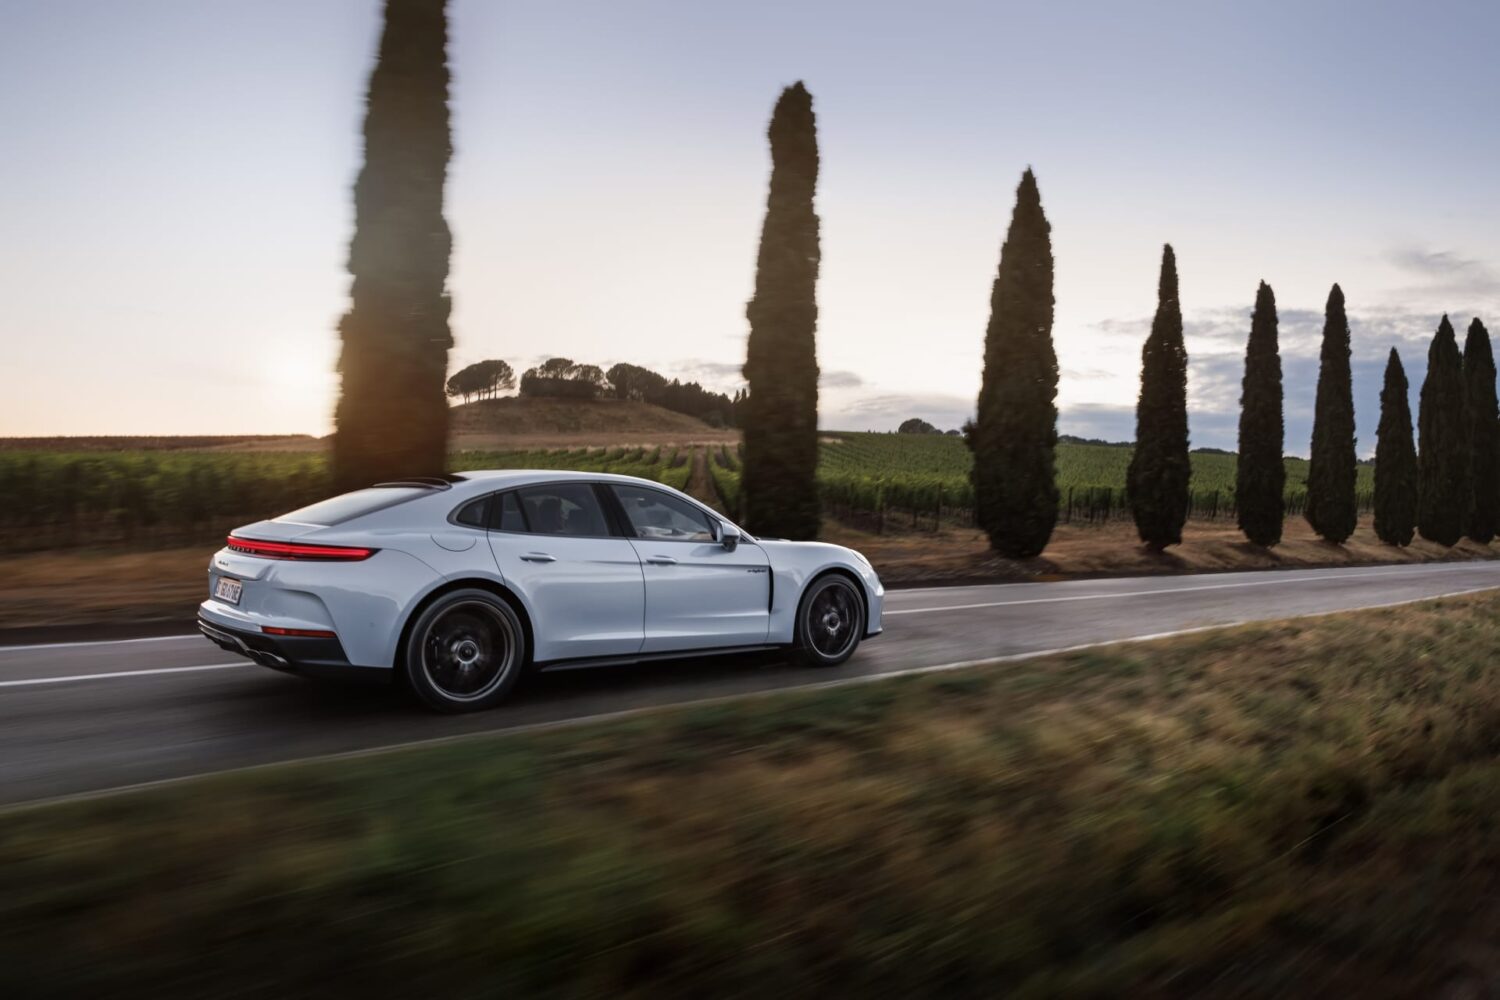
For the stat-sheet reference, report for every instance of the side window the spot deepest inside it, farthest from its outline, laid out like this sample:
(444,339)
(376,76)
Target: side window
(657,515)
(563,509)
(508,516)
(474,513)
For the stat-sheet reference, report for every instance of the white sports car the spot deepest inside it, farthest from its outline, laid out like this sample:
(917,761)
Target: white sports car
(456,585)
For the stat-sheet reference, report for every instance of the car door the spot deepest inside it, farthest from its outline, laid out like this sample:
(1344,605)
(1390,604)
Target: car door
(699,595)
(582,581)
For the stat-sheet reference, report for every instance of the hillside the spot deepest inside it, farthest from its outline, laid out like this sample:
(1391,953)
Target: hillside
(523,421)
(165,442)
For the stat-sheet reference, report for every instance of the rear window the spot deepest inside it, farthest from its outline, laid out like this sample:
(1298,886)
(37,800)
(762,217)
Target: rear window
(348,505)
(474,513)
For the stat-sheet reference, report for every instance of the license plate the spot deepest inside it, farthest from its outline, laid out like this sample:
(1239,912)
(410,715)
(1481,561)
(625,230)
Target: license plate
(228,589)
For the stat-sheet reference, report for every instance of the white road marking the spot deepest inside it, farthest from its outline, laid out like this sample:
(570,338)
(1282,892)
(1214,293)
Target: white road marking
(155,671)
(97,642)
(1280,581)
(630,713)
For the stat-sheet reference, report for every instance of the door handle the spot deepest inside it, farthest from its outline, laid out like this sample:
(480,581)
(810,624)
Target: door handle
(661,561)
(538,557)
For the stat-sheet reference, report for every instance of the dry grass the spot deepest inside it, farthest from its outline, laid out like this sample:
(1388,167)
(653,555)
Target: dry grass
(1305,808)
(83,586)
(523,423)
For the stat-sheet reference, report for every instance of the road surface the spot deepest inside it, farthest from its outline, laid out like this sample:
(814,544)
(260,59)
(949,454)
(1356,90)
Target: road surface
(88,717)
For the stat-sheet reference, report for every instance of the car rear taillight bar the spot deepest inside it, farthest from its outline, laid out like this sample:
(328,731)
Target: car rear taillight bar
(297,550)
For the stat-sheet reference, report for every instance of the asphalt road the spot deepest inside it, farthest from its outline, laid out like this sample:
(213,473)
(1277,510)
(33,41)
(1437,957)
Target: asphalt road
(87,717)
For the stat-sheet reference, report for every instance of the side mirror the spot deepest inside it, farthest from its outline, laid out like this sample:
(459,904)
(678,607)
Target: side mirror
(729,536)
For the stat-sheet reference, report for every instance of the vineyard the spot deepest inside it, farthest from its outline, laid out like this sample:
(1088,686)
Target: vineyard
(921,480)
(58,499)
(68,499)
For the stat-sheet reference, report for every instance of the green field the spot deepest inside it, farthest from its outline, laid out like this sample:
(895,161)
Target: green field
(867,473)
(61,498)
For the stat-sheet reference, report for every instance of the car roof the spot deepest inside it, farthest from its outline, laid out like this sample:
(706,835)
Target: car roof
(477,482)
(492,478)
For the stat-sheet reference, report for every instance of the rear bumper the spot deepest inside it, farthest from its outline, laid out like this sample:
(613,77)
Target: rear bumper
(304,655)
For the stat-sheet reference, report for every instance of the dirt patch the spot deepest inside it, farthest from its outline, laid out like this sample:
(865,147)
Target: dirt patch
(961,554)
(700,484)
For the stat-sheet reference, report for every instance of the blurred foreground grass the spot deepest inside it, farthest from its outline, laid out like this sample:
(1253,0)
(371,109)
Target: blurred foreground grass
(1305,807)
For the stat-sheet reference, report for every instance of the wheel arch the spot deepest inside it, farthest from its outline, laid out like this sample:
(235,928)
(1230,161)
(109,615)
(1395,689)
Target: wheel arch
(846,573)
(495,587)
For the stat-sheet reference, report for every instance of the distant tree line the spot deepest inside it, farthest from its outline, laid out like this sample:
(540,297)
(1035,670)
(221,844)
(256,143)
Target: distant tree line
(566,379)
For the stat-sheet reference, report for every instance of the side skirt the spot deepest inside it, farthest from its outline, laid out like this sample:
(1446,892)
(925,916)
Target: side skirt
(629,658)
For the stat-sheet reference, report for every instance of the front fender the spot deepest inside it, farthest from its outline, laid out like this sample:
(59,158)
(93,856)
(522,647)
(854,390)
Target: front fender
(796,564)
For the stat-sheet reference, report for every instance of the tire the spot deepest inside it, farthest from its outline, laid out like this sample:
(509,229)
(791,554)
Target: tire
(830,621)
(464,652)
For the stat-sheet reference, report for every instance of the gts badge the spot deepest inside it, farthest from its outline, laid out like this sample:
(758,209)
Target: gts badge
(758,569)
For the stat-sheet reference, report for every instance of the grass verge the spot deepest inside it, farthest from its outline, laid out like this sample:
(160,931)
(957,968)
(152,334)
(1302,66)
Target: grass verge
(1304,807)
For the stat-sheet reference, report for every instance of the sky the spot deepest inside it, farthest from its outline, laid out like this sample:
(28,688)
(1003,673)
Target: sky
(175,194)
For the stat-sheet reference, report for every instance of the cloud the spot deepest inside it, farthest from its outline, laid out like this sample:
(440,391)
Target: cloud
(1098,420)
(837,379)
(1088,374)
(713,374)
(1447,273)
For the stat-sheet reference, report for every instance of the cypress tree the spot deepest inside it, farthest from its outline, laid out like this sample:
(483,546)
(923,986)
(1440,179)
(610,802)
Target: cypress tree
(1014,434)
(1442,457)
(1395,460)
(1483,436)
(1331,506)
(1260,472)
(1157,480)
(392,415)
(780,491)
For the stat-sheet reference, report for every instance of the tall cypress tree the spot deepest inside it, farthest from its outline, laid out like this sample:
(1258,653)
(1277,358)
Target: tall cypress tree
(1442,456)
(780,492)
(1331,507)
(1260,473)
(392,415)
(1483,436)
(1157,480)
(1014,434)
(1395,460)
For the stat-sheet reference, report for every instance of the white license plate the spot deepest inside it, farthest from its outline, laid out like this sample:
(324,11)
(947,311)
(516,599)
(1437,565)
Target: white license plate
(228,589)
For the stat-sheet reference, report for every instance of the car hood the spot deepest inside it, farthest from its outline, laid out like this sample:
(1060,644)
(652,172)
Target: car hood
(804,550)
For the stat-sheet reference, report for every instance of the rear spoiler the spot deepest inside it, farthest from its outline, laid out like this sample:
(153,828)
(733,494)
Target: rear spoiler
(424,482)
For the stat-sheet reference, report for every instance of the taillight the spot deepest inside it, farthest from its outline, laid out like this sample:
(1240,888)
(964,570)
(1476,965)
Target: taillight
(306,633)
(296,550)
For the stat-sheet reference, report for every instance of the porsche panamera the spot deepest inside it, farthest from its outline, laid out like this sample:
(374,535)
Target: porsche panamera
(455,586)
